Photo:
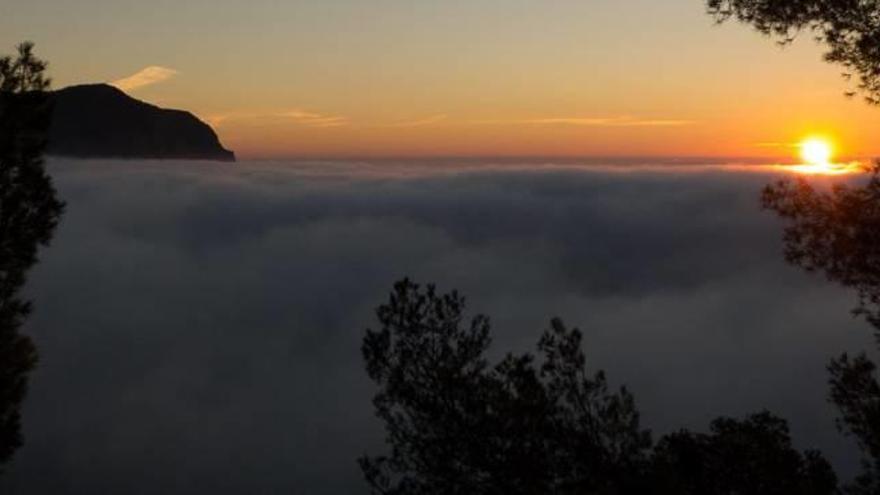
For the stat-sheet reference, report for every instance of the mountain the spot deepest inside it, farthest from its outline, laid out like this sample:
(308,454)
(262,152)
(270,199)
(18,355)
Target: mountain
(100,121)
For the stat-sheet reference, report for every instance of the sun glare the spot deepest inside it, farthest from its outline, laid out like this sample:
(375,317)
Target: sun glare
(817,154)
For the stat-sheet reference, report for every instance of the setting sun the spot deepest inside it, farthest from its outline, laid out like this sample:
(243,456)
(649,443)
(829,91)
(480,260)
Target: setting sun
(817,151)
(817,154)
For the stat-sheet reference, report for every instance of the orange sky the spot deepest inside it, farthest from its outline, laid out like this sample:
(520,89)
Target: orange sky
(483,77)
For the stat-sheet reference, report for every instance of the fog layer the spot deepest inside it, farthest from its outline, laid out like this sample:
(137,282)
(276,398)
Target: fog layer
(199,325)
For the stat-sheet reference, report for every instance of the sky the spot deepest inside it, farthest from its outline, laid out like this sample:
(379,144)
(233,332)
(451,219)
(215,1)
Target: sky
(340,78)
(199,325)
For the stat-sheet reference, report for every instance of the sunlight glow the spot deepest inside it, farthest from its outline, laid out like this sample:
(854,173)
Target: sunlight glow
(817,152)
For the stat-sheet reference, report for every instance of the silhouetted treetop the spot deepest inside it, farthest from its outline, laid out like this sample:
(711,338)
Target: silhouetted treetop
(23,73)
(850,29)
(855,391)
(29,213)
(836,232)
(752,456)
(457,424)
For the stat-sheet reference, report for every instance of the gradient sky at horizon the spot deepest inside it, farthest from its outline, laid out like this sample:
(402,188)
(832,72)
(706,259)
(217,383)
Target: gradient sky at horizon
(482,77)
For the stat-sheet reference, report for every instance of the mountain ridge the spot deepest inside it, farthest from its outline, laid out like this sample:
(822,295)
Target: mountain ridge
(101,121)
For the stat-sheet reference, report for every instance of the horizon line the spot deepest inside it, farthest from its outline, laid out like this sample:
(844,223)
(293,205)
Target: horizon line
(671,159)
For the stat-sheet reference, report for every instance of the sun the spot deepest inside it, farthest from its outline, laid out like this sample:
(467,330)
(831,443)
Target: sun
(817,152)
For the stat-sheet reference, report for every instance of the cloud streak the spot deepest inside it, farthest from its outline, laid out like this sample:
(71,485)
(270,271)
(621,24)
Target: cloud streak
(145,77)
(297,117)
(313,119)
(776,145)
(593,122)
(419,122)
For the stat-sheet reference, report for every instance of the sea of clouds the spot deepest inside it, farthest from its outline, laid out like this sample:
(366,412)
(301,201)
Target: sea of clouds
(199,325)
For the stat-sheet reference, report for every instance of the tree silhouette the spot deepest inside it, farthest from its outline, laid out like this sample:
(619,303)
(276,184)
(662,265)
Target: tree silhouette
(456,424)
(850,29)
(837,232)
(29,213)
(753,456)
(856,392)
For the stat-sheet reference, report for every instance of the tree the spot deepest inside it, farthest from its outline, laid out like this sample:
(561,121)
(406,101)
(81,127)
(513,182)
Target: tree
(752,456)
(838,233)
(850,29)
(456,424)
(856,392)
(29,213)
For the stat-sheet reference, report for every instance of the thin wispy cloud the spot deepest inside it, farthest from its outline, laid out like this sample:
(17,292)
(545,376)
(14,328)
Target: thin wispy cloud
(419,122)
(308,118)
(776,145)
(592,122)
(298,117)
(312,119)
(145,77)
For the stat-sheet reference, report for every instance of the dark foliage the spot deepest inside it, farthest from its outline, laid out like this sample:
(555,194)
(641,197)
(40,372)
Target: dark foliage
(753,456)
(29,212)
(856,392)
(456,424)
(850,29)
(837,233)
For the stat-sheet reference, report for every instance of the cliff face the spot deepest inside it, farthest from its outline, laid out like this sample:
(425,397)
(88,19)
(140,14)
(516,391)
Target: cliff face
(100,121)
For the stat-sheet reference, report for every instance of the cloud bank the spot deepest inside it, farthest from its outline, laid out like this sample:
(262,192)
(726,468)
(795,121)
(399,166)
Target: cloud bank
(199,325)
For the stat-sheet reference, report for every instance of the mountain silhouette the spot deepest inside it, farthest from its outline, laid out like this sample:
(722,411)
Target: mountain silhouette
(100,121)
